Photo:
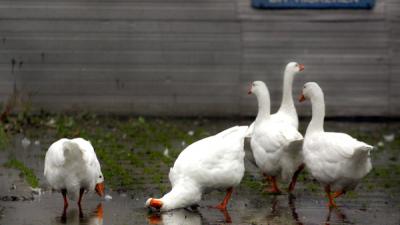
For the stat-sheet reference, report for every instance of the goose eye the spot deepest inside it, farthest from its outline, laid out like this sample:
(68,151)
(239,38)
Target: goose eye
(100,176)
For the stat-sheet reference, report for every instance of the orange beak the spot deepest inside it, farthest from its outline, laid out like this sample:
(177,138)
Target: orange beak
(156,203)
(301,67)
(301,98)
(249,92)
(100,189)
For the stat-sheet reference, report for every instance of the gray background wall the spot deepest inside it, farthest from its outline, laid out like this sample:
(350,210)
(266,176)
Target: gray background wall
(195,57)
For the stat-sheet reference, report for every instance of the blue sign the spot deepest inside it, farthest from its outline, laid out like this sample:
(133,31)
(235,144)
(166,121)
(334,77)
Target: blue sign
(313,4)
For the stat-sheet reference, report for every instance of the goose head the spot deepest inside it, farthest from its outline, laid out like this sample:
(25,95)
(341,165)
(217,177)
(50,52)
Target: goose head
(310,90)
(294,67)
(99,188)
(257,87)
(154,203)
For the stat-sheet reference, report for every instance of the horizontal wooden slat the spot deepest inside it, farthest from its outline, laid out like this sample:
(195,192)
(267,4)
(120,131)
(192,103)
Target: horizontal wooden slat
(150,105)
(116,57)
(321,27)
(120,88)
(109,76)
(119,27)
(117,11)
(153,44)
(262,57)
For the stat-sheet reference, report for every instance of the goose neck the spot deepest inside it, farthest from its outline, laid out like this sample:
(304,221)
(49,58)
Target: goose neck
(287,103)
(181,195)
(263,106)
(318,115)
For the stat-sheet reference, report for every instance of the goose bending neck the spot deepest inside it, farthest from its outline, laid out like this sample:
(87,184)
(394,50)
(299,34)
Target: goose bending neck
(264,107)
(287,104)
(318,115)
(181,195)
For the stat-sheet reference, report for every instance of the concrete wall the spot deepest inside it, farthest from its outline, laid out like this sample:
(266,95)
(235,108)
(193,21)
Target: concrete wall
(195,57)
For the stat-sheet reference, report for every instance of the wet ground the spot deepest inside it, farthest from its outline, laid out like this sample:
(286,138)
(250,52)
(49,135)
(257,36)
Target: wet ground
(136,153)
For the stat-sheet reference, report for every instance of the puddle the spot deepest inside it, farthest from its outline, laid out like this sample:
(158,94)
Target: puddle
(375,201)
(243,209)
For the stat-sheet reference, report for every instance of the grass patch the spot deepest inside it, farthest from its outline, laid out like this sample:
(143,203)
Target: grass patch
(4,138)
(352,194)
(130,149)
(25,172)
(313,186)
(251,182)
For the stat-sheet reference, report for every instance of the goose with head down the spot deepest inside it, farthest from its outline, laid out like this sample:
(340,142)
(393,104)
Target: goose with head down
(337,160)
(71,166)
(215,162)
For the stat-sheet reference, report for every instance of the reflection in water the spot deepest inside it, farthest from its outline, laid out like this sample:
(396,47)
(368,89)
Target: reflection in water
(182,216)
(76,216)
(292,206)
(275,211)
(226,216)
(278,213)
(341,217)
(176,217)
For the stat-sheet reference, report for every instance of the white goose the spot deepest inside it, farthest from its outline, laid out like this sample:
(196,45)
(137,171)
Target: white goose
(275,145)
(215,162)
(336,160)
(287,111)
(71,166)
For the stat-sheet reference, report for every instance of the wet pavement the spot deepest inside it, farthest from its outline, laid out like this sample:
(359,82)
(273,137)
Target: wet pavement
(244,208)
(375,201)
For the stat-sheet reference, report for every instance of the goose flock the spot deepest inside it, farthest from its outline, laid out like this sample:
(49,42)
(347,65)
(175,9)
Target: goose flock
(336,160)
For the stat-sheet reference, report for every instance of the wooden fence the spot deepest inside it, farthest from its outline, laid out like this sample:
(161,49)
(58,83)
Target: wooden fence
(195,57)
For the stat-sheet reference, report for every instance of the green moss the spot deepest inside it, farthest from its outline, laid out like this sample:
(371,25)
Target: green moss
(130,150)
(370,186)
(4,138)
(250,182)
(351,194)
(163,188)
(312,186)
(381,172)
(25,172)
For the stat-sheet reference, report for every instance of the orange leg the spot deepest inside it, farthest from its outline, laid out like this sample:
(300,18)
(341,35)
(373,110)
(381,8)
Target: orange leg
(328,193)
(338,193)
(222,205)
(294,178)
(226,216)
(274,186)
